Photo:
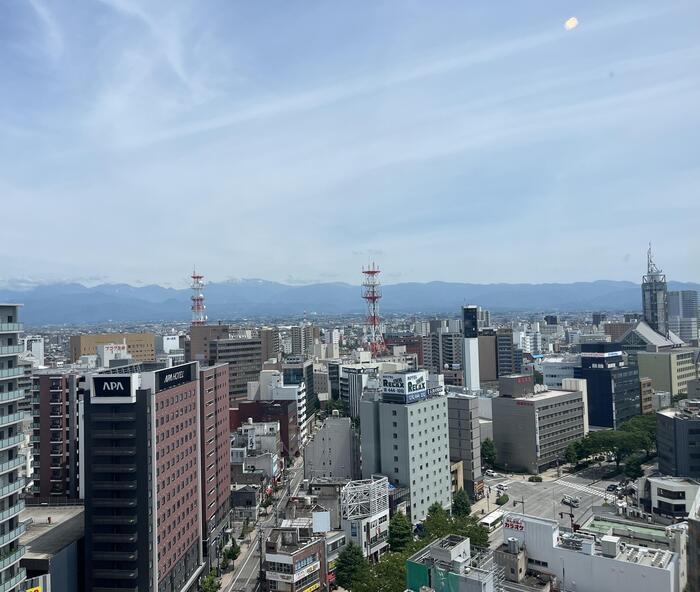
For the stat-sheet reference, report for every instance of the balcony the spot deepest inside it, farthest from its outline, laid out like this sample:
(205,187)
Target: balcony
(115,520)
(114,537)
(120,418)
(113,468)
(115,574)
(113,451)
(13,511)
(13,557)
(11,488)
(114,434)
(12,583)
(114,485)
(12,441)
(10,350)
(11,418)
(9,396)
(114,502)
(11,327)
(115,555)
(9,465)
(13,534)
(11,372)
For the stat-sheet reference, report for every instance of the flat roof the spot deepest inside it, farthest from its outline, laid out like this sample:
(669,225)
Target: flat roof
(43,540)
(603,526)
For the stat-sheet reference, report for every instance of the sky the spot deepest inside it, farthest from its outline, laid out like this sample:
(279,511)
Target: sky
(298,141)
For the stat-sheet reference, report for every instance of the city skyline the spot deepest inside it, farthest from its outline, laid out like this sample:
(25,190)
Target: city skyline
(299,153)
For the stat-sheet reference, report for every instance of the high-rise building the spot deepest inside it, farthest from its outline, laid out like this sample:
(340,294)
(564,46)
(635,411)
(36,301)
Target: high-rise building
(470,347)
(215,458)
(678,440)
(405,436)
(140,346)
(142,481)
(655,297)
(353,381)
(684,314)
(333,452)
(442,350)
(551,319)
(55,438)
(533,426)
(270,343)
(670,369)
(613,387)
(599,318)
(646,395)
(298,340)
(11,437)
(465,438)
(509,357)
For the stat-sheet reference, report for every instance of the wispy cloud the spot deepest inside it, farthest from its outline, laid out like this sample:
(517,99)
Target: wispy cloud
(52,30)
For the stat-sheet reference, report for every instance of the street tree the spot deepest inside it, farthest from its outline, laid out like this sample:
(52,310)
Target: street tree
(461,505)
(400,532)
(351,566)
(633,468)
(488,453)
(210,584)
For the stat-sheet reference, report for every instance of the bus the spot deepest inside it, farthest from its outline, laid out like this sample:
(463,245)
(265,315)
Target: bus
(493,521)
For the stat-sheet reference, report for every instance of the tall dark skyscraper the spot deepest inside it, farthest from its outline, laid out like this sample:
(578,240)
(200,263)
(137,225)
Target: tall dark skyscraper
(655,297)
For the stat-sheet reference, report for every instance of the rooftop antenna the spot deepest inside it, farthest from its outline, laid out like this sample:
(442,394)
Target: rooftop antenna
(198,316)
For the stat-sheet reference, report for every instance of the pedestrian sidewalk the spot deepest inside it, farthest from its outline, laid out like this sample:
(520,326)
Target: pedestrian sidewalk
(247,546)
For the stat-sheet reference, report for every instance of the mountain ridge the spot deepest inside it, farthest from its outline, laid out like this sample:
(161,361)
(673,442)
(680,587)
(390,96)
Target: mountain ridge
(73,302)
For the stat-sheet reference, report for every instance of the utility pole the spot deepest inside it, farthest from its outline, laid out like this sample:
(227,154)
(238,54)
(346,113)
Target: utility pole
(261,576)
(520,501)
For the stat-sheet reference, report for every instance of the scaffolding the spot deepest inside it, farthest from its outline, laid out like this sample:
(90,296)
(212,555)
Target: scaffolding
(366,497)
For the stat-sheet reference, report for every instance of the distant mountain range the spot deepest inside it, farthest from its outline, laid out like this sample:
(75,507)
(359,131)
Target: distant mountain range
(71,303)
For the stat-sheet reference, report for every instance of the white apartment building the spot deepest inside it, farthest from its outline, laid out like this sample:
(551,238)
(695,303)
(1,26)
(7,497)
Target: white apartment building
(271,387)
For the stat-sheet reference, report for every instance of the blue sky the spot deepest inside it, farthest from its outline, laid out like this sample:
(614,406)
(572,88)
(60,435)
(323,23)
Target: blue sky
(295,141)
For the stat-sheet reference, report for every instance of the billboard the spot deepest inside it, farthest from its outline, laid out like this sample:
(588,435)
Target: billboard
(404,383)
(113,388)
(170,377)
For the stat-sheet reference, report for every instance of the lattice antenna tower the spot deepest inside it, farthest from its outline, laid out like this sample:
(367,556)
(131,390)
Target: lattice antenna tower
(372,294)
(197,286)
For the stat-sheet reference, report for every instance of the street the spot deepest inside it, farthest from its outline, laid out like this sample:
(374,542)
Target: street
(244,578)
(544,499)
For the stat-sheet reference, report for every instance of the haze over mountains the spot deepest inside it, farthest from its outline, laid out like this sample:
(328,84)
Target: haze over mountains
(60,303)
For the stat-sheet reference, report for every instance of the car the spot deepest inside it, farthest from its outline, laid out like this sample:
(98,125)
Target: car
(611,487)
(489,473)
(568,500)
(502,487)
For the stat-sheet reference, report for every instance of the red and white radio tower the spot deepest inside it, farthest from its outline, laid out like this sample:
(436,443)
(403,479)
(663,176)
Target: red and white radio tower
(372,292)
(198,316)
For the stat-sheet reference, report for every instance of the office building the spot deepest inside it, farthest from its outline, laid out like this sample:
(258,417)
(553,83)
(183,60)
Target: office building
(668,497)
(270,343)
(671,369)
(582,562)
(655,297)
(256,453)
(683,313)
(11,437)
(283,412)
(556,369)
(599,318)
(509,357)
(613,387)
(641,337)
(55,438)
(142,481)
(270,386)
(488,356)
(354,379)
(442,350)
(295,560)
(551,319)
(365,515)
(297,370)
(214,450)
(405,436)
(140,346)
(34,350)
(646,396)
(678,440)
(333,452)
(243,354)
(448,564)
(470,347)
(532,426)
(465,438)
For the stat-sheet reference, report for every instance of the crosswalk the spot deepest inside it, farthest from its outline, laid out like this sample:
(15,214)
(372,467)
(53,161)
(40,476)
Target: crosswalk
(583,488)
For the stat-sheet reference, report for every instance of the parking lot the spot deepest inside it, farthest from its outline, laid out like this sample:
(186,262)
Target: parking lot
(545,499)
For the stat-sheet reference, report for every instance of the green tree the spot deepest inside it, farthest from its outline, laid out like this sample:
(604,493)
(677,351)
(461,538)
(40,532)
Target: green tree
(210,584)
(350,566)
(644,426)
(502,500)
(461,506)
(389,575)
(572,453)
(538,377)
(488,453)
(633,468)
(437,523)
(400,532)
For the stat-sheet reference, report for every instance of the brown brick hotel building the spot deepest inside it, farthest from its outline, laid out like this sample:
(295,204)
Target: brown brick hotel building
(143,481)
